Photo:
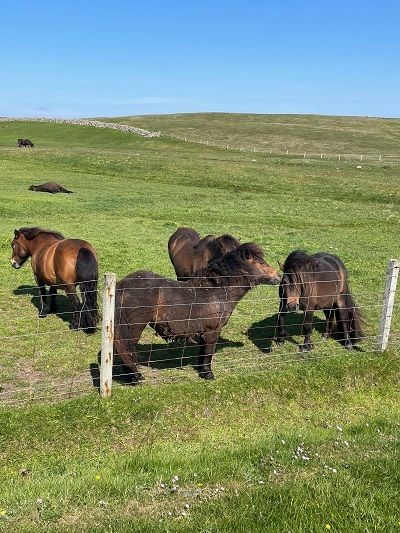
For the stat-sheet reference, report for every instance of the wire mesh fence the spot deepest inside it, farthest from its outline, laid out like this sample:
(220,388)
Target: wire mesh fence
(44,360)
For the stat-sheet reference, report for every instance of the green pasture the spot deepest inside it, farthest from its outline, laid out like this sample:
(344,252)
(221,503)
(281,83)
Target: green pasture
(280,441)
(314,134)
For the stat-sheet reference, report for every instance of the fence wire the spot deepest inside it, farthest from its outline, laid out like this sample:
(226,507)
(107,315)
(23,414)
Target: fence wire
(45,361)
(306,153)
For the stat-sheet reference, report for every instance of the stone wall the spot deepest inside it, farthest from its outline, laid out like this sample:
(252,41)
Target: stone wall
(84,122)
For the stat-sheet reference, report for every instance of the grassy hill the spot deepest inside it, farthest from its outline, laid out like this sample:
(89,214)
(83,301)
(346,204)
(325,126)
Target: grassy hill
(279,442)
(314,134)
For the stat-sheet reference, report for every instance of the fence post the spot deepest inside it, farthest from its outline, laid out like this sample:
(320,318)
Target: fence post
(388,302)
(107,334)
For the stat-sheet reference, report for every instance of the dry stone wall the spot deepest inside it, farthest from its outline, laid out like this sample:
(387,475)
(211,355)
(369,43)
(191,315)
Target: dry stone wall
(84,122)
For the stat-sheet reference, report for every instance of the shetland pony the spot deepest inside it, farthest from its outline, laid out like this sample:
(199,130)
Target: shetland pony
(60,263)
(319,281)
(190,254)
(185,309)
(25,142)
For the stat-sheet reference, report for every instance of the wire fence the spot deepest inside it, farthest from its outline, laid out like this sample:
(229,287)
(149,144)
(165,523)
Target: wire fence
(43,360)
(307,154)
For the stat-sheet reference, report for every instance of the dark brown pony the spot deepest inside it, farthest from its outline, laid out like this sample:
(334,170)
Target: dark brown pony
(25,142)
(50,187)
(64,264)
(313,282)
(190,254)
(177,309)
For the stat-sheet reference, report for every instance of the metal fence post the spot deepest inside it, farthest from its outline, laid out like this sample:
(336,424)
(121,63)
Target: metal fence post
(107,334)
(388,302)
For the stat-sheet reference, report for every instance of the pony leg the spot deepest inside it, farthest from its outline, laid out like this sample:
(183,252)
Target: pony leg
(76,306)
(306,331)
(330,320)
(280,332)
(53,294)
(207,349)
(125,343)
(343,325)
(43,301)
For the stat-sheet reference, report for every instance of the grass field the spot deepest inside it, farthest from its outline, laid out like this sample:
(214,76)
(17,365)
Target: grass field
(314,134)
(278,442)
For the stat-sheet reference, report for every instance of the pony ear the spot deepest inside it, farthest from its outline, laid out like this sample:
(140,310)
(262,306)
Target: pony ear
(16,233)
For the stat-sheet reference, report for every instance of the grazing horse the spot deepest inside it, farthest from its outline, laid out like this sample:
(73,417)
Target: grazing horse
(320,281)
(186,309)
(25,142)
(50,187)
(60,263)
(190,254)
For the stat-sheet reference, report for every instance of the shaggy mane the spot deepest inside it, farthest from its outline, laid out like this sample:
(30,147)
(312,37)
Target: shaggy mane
(234,264)
(31,233)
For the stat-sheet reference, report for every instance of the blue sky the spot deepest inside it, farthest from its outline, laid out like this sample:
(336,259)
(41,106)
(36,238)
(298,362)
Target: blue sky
(102,58)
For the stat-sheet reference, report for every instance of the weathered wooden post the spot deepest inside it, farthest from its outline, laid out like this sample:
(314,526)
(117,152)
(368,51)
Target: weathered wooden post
(388,303)
(107,335)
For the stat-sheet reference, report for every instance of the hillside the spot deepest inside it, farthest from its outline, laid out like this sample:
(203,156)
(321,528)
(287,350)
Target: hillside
(281,441)
(314,134)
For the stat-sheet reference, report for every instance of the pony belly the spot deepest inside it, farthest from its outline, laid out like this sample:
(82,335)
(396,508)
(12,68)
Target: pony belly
(182,329)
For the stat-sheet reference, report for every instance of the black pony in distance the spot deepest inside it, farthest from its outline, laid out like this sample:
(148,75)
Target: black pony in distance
(25,142)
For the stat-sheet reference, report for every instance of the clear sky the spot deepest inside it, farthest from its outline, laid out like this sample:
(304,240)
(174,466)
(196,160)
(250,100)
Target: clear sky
(102,58)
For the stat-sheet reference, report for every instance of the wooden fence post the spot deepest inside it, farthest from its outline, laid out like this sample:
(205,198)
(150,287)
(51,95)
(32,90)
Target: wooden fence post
(107,335)
(388,303)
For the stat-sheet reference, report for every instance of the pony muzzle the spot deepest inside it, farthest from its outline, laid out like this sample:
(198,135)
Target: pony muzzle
(15,264)
(293,307)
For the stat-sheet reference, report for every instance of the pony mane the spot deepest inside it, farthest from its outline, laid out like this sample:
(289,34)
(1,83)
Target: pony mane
(299,260)
(298,267)
(221,246)
(31,233)
(233,264)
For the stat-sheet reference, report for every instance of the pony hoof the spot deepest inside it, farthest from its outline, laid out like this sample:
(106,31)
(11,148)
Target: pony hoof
(207,375)
(279,341)
(136,376)
(325,336)
(305,347)
(42,315)
(90,331)
(349,346)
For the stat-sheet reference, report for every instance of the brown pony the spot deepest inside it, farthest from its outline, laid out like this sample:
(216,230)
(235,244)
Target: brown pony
(60,263)
(319,281)
(186,309)
(190,254)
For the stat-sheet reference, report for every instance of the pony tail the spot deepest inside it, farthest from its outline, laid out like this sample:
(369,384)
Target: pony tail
(354,316)
(87,275)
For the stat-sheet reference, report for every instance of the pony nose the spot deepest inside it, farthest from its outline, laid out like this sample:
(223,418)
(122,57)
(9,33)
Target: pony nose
(14,264)
(275,280)
(293,306)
